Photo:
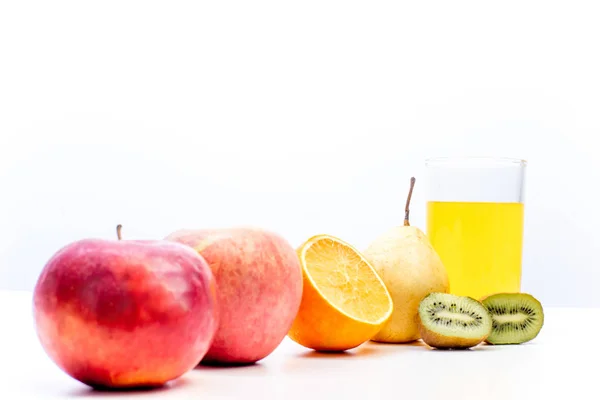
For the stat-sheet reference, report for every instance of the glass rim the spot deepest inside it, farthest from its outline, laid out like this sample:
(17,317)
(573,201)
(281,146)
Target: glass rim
(474,161)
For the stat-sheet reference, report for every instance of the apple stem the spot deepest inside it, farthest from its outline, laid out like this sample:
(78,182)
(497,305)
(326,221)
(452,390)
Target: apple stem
(119,227)
(406,209)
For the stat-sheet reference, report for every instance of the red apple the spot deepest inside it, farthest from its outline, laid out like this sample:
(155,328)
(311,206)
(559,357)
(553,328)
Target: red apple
(123,314)
(259,282)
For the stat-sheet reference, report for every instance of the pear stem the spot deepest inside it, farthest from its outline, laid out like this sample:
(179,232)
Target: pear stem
(119,227)
(406,208)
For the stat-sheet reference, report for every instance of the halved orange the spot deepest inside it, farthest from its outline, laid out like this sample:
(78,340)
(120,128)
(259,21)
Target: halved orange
(344,302)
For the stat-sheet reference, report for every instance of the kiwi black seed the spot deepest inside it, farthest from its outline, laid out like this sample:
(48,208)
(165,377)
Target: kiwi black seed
(453,322)
(516,317)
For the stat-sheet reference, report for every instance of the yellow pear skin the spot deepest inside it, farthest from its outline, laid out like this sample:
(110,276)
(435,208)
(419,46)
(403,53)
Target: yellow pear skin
(411,269)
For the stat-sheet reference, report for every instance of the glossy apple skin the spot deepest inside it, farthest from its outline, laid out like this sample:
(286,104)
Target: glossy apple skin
(259,282)
(125,314)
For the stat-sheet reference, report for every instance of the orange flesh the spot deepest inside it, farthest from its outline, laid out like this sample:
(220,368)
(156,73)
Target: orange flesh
(347,281)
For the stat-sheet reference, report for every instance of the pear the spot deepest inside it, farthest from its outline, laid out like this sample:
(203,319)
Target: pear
(411,269)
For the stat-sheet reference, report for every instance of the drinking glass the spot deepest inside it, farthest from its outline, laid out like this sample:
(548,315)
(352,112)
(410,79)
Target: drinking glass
(475,214)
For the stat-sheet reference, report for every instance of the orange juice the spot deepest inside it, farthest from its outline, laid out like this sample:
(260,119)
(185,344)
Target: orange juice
(480,245)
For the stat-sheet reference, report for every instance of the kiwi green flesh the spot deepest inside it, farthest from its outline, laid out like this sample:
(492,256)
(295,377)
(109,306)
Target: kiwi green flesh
(516,317)
(455,316)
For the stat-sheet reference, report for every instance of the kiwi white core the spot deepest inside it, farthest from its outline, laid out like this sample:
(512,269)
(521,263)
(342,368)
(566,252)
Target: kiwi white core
(502,319)
(458,317)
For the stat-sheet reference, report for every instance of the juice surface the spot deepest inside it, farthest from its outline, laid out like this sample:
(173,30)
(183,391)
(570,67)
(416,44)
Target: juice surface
(480,245)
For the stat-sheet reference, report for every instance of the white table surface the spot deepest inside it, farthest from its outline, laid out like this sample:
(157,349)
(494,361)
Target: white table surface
(559,362)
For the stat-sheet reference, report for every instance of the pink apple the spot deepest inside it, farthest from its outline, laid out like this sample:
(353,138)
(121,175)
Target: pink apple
(259,281)
(123,314)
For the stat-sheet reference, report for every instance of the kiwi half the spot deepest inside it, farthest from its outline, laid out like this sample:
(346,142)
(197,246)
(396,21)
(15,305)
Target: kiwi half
(517,317)
(453,322)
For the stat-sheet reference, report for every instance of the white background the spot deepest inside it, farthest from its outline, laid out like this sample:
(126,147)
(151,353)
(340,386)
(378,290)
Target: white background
(301,117)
